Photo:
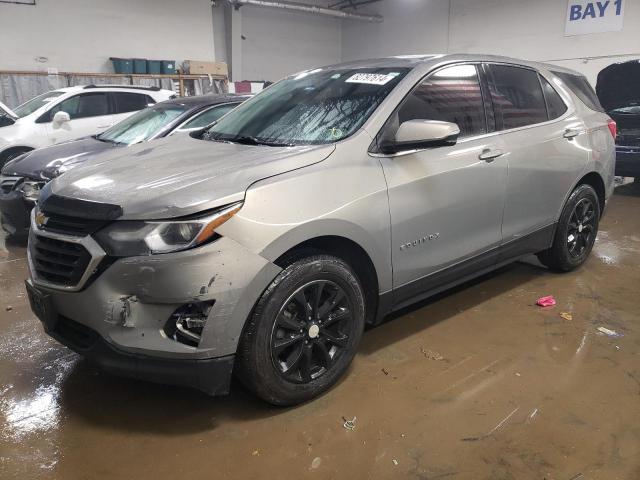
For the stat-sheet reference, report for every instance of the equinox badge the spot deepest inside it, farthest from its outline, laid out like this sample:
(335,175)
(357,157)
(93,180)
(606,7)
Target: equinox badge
(419,241)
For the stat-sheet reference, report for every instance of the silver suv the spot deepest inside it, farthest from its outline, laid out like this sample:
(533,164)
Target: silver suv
(264,245)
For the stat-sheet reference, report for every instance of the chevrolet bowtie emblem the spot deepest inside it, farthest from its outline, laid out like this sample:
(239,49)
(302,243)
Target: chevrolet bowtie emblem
(41,219)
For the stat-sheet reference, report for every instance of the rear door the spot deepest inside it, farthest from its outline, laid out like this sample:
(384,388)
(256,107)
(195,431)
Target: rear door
(545,145)
(90,114)
(446,203)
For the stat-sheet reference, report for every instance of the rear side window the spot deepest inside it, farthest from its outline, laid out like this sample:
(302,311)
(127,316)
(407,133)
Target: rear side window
(517,96)
(451,95)
(581,88)
(131,102)
(555,105)
(84,105)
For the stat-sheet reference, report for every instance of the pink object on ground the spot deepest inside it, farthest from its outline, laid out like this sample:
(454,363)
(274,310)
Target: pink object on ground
(547,301)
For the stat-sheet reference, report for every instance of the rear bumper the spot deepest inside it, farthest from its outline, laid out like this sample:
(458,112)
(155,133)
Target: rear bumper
(628,161)
(14,213)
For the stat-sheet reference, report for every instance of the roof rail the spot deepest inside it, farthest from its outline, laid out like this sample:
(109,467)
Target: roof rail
(130,87)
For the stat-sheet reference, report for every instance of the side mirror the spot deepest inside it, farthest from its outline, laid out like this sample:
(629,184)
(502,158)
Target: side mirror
(60,118)
(419,134)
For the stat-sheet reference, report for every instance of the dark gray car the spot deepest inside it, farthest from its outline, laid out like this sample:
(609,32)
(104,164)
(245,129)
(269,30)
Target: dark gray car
(22,178)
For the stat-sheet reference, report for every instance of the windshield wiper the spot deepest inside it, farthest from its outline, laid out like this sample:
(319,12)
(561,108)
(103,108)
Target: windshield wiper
(248,140)
(106,140)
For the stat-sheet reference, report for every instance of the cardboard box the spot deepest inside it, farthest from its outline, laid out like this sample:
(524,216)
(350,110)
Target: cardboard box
(195,67)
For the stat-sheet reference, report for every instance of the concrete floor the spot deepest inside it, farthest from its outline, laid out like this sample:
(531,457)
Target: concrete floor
(476,384)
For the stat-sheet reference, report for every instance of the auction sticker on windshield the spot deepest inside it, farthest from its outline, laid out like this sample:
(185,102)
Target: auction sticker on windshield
(371,78)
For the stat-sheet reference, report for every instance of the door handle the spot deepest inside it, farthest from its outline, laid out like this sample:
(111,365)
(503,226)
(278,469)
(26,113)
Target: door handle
(103,126)
(489,155)
(571,133)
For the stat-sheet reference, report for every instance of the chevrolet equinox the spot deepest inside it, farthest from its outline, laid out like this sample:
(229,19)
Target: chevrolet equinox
(263,245)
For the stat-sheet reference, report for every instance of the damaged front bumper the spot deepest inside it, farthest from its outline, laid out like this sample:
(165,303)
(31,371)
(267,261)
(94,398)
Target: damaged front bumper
(122,316)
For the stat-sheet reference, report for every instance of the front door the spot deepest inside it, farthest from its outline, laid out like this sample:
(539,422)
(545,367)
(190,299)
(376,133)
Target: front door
(446,203)
(90,114)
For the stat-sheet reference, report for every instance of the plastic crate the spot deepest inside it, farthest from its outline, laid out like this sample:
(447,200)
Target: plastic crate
(122,65)
(140,65)
(168,67)
(154,67)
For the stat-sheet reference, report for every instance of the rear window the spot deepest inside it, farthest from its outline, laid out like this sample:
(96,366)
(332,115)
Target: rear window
(517,97)
(131,102)
(581,89)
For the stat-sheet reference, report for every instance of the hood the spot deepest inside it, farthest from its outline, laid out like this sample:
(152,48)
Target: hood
(49,162)
(6,110)
(619,85)
(179,175)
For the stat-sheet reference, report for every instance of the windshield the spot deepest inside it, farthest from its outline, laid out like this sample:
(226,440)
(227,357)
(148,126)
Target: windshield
(35,103)
(143,125)
(313,107)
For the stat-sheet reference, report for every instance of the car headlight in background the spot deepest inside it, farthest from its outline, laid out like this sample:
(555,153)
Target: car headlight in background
(129,238)
(31,189)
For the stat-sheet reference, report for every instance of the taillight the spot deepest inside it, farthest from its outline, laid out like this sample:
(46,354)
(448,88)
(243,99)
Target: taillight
(613,128)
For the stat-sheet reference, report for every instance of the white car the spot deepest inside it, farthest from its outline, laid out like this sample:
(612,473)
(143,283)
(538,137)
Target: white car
(70,113)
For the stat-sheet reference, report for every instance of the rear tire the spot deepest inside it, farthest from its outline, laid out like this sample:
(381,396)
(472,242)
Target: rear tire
(304,331)
(576,231)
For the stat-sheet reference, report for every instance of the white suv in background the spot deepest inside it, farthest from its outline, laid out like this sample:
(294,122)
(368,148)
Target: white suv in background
(71,113)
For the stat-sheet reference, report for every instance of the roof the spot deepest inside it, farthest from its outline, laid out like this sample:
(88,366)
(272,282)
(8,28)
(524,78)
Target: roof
(139,88)
(430,60)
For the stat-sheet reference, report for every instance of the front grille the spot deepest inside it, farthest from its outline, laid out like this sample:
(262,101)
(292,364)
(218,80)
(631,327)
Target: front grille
(57,261)
(7,184)
(76,226)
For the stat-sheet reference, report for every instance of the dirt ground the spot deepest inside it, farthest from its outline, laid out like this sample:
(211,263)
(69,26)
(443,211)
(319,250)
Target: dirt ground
(478,383)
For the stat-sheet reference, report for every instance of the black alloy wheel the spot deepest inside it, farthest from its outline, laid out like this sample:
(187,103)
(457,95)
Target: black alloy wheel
(581,228)
(311,331)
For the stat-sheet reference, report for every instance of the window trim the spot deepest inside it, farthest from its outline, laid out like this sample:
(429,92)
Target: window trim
(544,99)
(373,147)
(46,116)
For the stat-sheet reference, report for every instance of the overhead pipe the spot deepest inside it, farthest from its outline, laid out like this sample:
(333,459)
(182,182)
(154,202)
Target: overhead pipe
(301,7)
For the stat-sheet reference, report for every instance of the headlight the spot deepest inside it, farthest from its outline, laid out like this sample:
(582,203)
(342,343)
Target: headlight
(129,238)
(31,189)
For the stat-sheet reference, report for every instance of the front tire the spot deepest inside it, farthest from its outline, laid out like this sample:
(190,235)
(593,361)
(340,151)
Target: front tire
(576,231)
(304,331)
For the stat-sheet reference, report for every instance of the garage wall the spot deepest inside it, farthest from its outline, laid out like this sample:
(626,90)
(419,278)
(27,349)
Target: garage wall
(409,27)
(535,30)
(277,42)
(81,35)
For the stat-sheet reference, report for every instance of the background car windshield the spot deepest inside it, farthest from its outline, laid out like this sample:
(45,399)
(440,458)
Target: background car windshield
(313,107)
(35,103)
(143,125)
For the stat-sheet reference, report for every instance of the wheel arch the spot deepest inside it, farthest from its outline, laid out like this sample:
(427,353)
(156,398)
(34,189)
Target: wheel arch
(594,179)
(18,148)
(345,249)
